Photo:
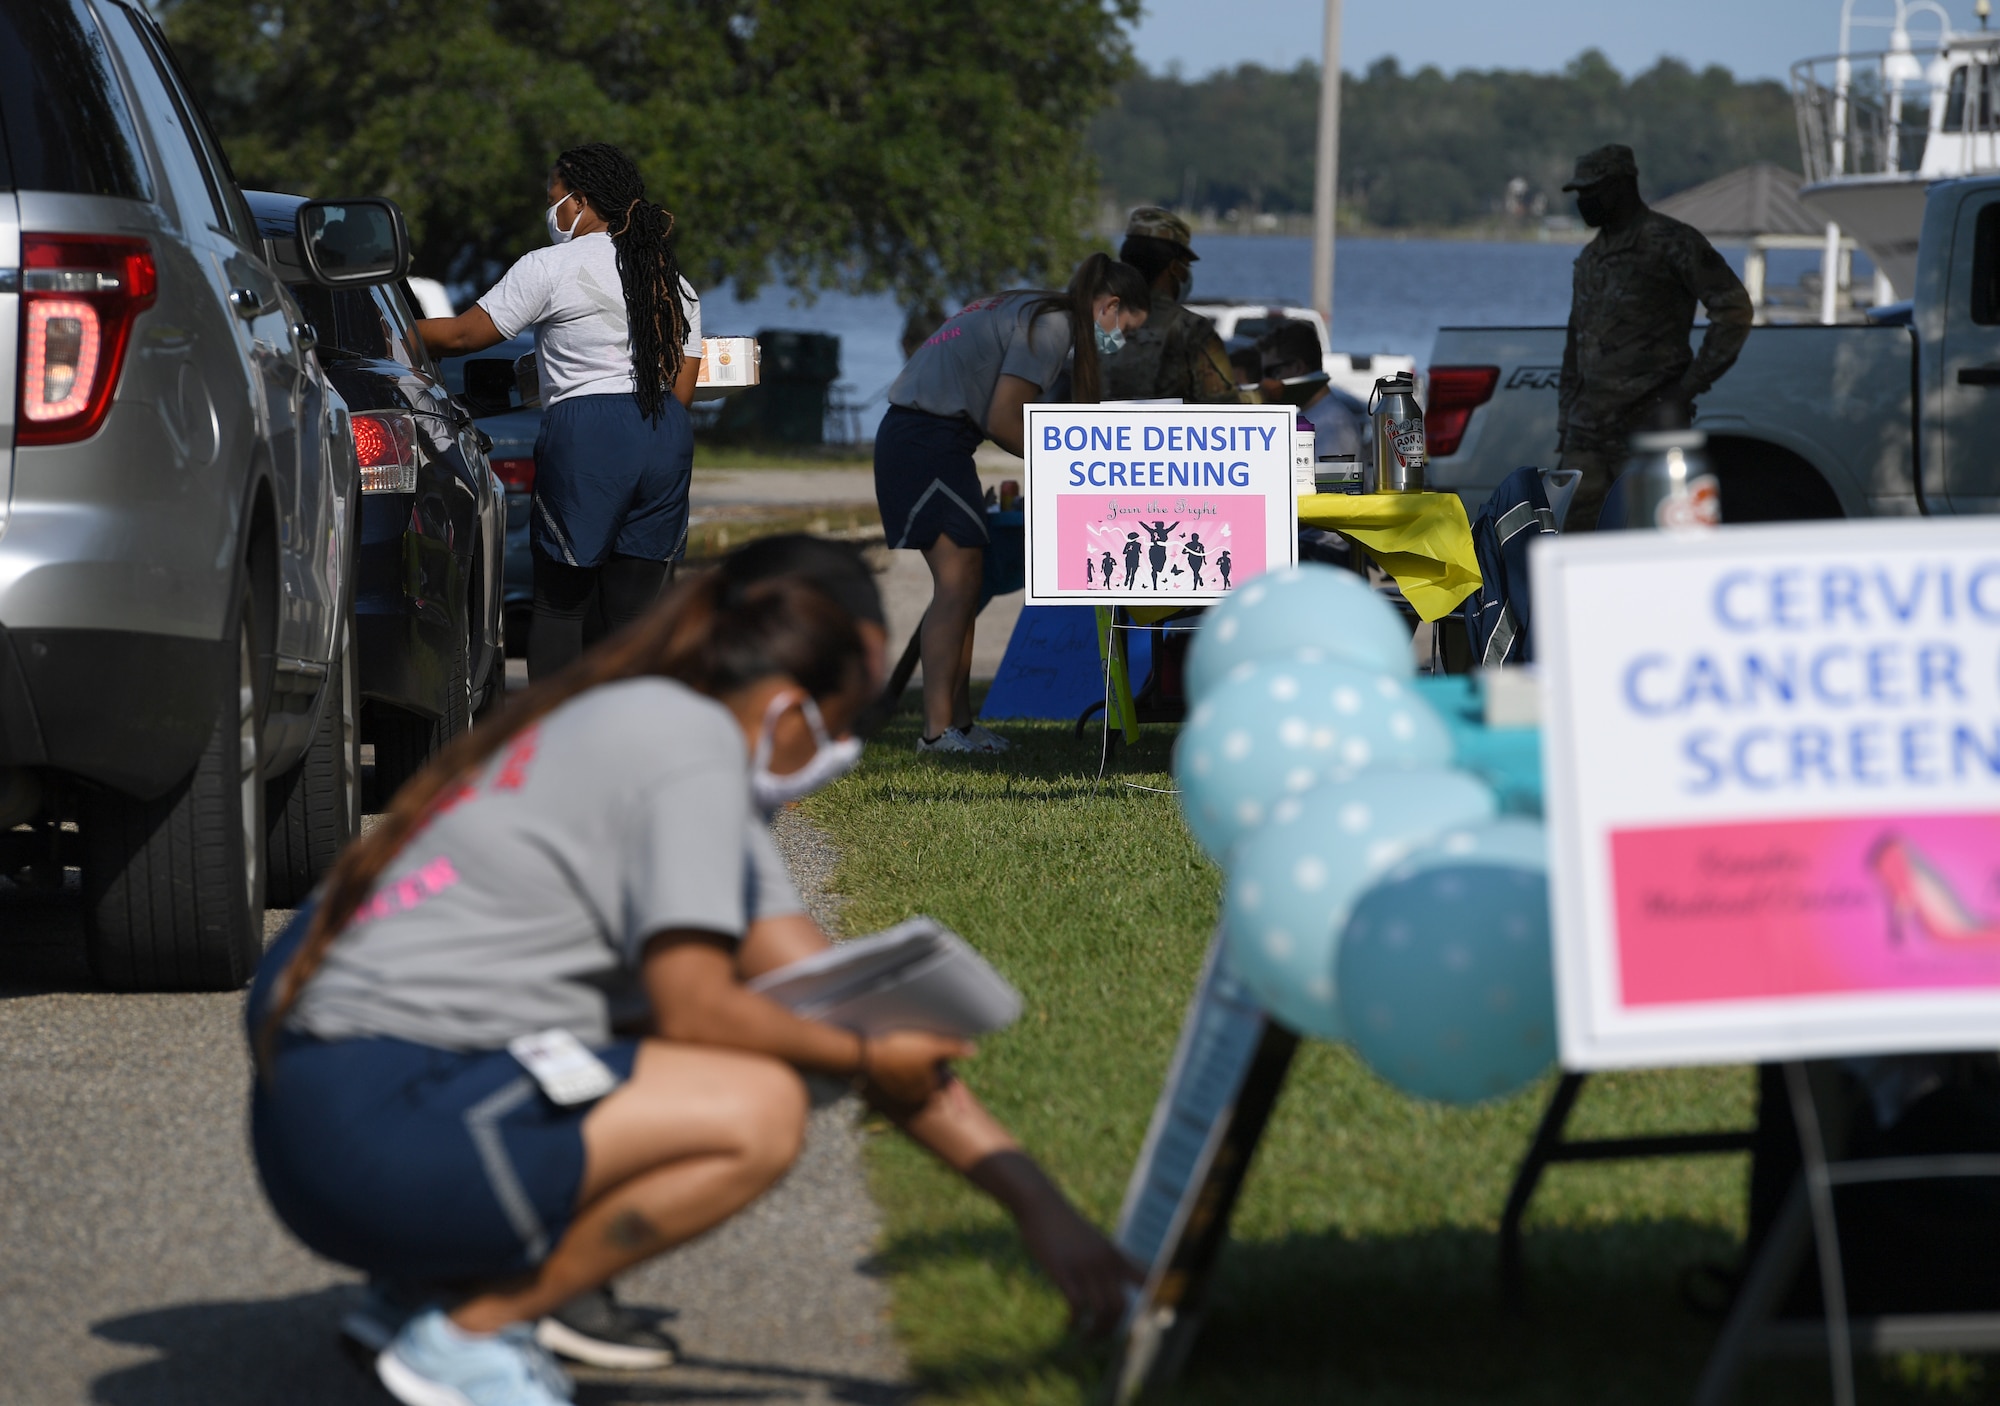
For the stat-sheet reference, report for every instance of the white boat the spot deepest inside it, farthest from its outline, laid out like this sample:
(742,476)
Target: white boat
(1877,128)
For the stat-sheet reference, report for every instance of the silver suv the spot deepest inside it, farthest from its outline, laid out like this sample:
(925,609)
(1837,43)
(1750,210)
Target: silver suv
(178,491)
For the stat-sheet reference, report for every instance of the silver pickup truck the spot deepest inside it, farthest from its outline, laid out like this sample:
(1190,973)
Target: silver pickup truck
(1893,418)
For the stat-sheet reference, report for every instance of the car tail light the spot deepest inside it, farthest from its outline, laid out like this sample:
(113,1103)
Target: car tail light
(79,297)
(517,474)
(1456,391)
(385,441)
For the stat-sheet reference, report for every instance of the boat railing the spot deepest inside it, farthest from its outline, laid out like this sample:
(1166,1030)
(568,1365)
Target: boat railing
(1925,113)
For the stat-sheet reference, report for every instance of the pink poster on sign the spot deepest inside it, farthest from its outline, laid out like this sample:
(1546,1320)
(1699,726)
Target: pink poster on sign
(1807,907)
(1169,544)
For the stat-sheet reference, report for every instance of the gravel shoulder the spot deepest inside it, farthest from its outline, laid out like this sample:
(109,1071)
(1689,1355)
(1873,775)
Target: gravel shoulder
(139,1263)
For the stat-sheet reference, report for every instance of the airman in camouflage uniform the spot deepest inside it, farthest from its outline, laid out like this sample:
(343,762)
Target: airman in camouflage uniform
(1631,312)
(1176,355)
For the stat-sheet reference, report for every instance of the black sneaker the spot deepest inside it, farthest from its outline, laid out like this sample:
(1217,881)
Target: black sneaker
(595,1329)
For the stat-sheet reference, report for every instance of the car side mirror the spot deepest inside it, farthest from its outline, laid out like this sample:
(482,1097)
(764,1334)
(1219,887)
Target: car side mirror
(353,243)
(489,385)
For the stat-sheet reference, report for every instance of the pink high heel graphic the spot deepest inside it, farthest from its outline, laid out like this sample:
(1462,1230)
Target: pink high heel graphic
(1922,897)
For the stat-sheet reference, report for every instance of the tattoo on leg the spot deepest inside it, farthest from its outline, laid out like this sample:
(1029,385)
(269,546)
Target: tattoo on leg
(630,1231)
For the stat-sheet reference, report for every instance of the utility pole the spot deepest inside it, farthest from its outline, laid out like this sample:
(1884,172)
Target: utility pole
(1326,171)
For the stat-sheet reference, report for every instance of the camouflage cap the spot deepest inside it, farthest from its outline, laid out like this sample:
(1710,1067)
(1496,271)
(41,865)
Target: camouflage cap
(1152,222)
(1601,165)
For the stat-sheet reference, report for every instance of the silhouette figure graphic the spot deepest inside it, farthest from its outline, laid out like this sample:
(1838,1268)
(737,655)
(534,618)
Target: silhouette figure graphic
(1156,554)
(1222,565)
(1088,567)
(1920,898)
(1110,569)
(1195,555)
(1131,559)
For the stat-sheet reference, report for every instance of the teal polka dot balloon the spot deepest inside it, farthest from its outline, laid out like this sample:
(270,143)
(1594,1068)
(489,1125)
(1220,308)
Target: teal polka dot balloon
(1293,880)
(1444,973)
(1282,727)
(1321,610)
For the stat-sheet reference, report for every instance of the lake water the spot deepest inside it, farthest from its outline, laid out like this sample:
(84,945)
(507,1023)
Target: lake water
(1389,296)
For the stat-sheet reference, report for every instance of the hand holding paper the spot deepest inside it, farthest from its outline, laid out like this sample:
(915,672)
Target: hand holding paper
(918,975)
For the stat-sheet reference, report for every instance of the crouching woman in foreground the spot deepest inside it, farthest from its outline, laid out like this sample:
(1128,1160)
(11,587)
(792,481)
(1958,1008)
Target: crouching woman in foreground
(585,850)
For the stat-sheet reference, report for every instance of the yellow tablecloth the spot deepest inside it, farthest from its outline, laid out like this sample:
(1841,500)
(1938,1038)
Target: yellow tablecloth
(1421,539)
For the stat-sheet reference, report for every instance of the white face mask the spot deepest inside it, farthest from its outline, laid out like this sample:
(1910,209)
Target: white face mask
(557,234)
(830,760)
(1110,339)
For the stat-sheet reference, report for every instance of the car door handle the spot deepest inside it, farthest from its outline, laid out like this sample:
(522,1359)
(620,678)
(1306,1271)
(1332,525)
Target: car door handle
(1979,375)
(248,302)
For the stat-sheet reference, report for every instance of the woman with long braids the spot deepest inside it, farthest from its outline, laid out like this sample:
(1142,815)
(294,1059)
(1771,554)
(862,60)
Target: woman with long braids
(618,347)
(967,383)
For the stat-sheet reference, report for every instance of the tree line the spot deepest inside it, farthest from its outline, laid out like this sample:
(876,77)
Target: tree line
(1426,149)
(930,147)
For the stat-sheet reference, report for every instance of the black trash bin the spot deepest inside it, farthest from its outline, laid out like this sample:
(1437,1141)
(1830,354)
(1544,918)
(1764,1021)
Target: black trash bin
(788,405)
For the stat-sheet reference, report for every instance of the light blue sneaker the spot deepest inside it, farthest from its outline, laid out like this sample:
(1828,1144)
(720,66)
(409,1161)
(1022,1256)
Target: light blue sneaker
(432,1363)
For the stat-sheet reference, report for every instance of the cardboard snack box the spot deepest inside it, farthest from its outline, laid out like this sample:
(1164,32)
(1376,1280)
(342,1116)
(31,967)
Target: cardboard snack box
(728,363)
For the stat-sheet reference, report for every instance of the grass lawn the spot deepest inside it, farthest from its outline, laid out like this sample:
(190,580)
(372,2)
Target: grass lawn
(738,456)
(712,532)
(1362,1267)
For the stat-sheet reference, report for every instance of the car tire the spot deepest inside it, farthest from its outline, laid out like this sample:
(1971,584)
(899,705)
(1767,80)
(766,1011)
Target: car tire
(519,619)
(405,742)
(174,887)
(315,809)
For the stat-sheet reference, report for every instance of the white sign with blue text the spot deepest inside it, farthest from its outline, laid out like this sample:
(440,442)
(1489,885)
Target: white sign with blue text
(1773,790)
(1156,505)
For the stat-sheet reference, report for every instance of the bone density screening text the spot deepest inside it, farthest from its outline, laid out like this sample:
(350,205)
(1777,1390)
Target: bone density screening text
(1847,677)
(1168,438)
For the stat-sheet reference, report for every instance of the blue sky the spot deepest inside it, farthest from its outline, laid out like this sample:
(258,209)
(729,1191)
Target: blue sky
(1752,38)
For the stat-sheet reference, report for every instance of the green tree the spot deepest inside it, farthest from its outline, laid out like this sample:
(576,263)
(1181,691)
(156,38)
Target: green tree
(932,147)
(1426,148)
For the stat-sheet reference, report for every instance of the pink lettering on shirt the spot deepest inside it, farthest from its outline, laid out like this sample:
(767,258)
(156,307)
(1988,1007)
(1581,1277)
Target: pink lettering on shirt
(427,883)
(514,770)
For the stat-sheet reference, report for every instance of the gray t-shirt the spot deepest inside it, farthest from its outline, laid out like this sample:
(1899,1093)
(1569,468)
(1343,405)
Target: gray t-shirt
(956,371)
(525,904)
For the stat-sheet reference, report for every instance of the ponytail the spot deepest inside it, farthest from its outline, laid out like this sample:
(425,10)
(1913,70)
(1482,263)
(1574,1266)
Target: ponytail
(1094,277)
(648,267)
(710,632)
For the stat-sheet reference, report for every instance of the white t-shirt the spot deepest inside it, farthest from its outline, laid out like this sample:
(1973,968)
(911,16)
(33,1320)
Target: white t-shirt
(571,295)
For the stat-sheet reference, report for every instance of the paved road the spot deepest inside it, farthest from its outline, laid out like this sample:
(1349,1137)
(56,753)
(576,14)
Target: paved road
(139,1265)
(906,583)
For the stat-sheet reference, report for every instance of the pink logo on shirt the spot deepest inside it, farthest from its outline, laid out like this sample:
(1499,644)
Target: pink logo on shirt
(514,770)
(403,895)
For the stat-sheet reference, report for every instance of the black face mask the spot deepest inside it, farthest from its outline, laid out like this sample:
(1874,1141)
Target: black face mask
(1590,205)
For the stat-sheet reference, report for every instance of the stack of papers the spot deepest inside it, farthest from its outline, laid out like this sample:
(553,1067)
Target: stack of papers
(918,975)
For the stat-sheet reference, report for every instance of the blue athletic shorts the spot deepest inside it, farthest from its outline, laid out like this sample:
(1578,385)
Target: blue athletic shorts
(925,482)
(411,1162)
(609,480)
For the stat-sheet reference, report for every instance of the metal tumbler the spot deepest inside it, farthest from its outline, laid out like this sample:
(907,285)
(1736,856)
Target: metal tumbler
(1396,464)
(1669,484)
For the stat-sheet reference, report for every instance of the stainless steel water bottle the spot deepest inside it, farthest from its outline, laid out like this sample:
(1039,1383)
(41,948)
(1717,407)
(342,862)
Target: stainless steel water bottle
(1669,483)
(1396,464)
